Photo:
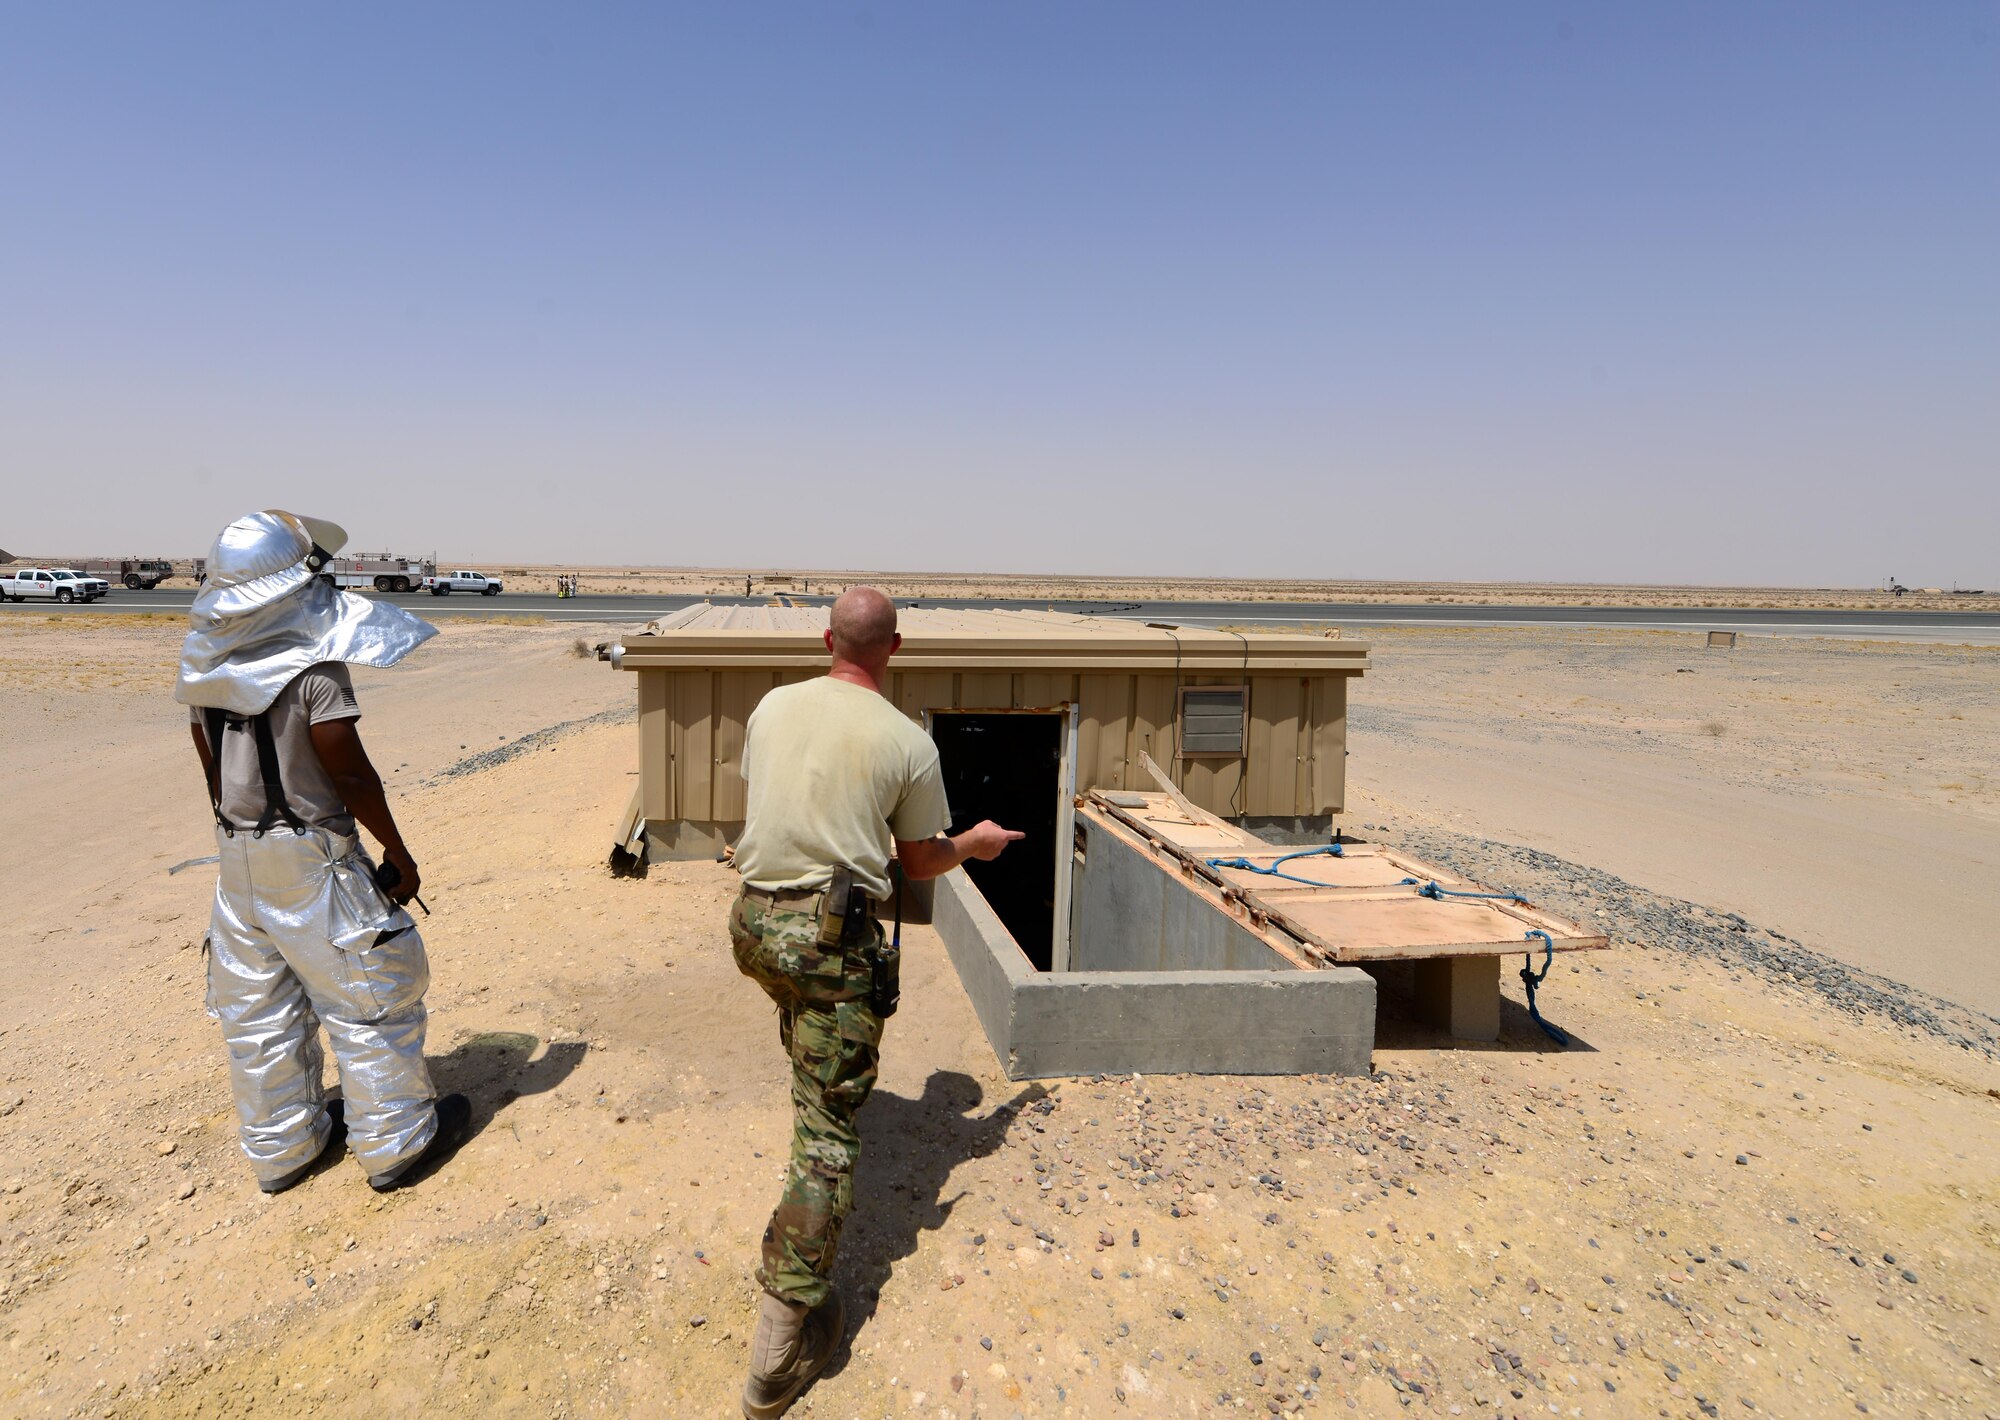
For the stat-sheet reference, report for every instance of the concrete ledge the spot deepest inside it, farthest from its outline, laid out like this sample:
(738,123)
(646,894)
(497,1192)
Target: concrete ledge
(1241,1022)
(1194,1022)
(990,963)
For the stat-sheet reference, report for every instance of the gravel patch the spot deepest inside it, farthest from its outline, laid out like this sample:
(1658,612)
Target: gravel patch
(543,738)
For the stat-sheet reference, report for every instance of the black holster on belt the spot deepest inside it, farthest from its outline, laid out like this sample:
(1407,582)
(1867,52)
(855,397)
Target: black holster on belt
(843,911)
(843,921)
(884,979)
(885,974)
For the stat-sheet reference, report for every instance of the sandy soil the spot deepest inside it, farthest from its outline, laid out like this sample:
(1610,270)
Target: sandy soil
(1731,1196)
(1845,793)
(700,581)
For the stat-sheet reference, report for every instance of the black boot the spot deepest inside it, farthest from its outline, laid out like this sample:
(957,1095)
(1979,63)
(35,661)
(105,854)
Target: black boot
(454,1116)
(791,1347)
(336,1139)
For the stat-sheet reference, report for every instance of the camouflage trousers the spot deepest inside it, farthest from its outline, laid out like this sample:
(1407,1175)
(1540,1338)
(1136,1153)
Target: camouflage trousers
(833,1038)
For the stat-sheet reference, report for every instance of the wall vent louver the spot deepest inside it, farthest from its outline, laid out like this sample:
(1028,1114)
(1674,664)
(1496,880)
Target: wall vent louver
(1212,719)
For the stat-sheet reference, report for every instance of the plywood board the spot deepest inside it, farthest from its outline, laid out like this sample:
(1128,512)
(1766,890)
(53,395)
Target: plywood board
(1362,868)
(1182,826)
(1362,906)
(1385,928)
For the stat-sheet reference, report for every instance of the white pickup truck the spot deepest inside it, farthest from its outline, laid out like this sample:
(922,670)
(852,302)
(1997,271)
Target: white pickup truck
(52,584)
(449,582)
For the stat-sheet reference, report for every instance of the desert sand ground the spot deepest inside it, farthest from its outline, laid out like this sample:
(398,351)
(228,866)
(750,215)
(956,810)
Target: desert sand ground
(699,581)
(767,581)
(702,581)
(1762,1180)
(1845,793)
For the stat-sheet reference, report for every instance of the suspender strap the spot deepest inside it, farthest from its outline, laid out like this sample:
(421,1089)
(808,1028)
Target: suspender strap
(276,805)
(211,724)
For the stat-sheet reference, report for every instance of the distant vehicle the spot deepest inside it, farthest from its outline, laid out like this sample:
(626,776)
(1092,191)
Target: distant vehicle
(137,574)
(383,574)
(54,584)
(85,586)
(451,582)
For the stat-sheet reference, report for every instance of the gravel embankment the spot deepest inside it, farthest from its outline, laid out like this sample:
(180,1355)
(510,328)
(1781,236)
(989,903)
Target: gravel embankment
(543,738)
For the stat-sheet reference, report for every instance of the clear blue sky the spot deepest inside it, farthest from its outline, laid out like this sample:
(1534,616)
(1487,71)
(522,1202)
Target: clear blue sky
(1702,292)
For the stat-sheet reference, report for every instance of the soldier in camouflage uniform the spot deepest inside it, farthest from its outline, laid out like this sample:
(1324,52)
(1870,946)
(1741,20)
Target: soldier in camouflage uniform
(835,775)
(831,1034)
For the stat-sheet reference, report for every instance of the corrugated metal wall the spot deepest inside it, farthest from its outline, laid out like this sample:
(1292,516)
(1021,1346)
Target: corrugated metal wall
(691,735)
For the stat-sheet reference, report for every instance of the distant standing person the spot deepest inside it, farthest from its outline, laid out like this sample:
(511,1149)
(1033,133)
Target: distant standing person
(835,773)
(303,934)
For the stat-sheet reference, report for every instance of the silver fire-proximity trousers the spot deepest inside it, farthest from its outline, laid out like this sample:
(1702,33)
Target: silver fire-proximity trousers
(301,936)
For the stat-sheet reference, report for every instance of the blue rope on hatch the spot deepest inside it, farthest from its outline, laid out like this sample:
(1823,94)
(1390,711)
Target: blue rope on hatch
(1329,850)
(1531,979)
(1439,894)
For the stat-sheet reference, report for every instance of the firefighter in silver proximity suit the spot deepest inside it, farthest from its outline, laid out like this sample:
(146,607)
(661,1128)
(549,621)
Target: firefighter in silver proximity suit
(304,934)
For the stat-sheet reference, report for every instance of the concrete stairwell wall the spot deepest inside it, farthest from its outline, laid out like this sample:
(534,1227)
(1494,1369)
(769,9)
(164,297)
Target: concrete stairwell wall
(1127,915)
(1242,1021)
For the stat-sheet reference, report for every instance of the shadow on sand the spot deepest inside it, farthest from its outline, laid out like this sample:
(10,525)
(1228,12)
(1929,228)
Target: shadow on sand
(909,1148)
(495,1068)
(492,1070)
(1397,1028)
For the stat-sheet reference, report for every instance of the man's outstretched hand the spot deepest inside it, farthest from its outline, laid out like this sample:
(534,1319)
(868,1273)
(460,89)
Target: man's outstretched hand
(926,858)
(985,839)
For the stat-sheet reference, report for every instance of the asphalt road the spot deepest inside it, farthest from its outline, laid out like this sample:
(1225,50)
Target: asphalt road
(1979,625)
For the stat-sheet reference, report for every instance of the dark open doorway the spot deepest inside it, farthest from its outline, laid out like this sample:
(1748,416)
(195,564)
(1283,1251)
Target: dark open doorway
(1008,767)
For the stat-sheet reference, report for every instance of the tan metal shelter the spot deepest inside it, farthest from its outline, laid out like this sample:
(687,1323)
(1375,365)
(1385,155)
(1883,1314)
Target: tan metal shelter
(1269,714)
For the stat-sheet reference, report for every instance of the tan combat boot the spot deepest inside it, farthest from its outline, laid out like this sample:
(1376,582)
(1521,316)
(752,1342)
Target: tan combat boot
(792,1345)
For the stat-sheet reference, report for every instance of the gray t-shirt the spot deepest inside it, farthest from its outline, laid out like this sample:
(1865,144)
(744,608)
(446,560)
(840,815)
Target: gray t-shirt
(317,694)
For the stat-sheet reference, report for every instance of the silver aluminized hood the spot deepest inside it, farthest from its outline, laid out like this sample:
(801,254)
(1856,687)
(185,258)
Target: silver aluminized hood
(264,615)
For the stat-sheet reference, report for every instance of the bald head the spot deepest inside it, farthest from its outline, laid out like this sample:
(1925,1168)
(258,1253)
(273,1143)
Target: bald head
(863,626)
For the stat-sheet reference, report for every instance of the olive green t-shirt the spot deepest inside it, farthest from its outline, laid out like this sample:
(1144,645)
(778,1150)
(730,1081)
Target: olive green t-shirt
(834,773)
